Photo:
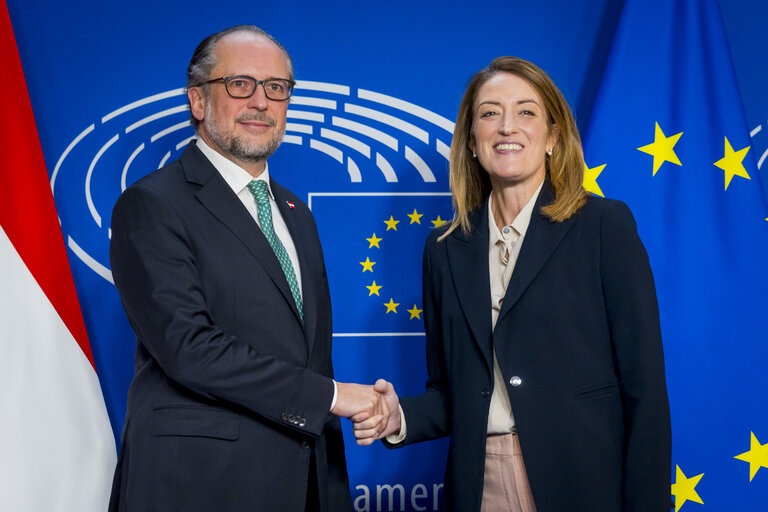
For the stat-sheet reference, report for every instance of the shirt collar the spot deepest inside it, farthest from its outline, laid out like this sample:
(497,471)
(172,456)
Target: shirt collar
(521,222)
(236,177)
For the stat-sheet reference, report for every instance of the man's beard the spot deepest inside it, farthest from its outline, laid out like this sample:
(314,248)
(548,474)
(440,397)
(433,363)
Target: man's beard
(234,145)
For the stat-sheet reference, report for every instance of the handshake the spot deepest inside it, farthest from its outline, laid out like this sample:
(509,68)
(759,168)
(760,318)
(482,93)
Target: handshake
(374,410)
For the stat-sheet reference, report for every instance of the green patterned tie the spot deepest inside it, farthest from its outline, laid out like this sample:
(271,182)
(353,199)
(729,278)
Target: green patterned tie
(259,190)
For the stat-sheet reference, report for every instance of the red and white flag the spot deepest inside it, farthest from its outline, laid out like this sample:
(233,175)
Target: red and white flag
(57,450)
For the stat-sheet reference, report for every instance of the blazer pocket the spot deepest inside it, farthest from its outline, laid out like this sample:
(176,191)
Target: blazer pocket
(596,391)
(195,422)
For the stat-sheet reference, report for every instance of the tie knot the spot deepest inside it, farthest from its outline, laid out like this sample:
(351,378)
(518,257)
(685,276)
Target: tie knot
(258,189)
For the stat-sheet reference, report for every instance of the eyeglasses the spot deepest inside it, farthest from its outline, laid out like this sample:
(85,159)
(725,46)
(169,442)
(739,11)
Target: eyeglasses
(243,86)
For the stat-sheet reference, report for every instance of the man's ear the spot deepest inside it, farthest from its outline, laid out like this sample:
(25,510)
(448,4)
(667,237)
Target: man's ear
(197,102)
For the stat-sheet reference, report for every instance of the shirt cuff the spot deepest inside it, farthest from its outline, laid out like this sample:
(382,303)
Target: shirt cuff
(333,402)
(398,437)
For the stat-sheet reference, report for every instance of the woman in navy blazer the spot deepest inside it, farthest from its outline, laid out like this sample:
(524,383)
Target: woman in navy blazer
(577,336)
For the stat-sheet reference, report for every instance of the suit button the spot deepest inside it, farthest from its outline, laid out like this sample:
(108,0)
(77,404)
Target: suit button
(284,417)
(305,445)
(485,393)
(515,381)
(302,423)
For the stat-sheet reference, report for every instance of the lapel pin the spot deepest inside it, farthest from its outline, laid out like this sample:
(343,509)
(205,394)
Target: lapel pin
(290,204)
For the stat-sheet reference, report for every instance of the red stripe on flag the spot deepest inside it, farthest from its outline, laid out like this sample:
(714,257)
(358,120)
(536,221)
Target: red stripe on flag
(27,212)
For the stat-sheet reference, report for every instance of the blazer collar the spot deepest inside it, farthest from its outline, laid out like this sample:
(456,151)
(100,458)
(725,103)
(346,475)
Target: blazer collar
(468,261)
(302,235)
(540,242)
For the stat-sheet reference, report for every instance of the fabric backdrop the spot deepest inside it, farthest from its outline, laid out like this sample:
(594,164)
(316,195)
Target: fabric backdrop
(366,146)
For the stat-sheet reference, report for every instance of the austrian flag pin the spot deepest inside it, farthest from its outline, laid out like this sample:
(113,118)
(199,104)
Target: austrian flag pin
(290,204)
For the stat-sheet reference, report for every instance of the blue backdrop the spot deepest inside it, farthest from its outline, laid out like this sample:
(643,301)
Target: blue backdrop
(366,147)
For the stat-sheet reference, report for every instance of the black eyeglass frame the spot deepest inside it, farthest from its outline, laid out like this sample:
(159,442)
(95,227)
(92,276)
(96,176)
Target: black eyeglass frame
(263,84)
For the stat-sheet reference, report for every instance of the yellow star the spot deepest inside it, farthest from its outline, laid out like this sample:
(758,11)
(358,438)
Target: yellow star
(733,163)
(391,223)
(392,305)
(757,456)
(415,216)
(415,312)
(368,264)
(684,489)
(373,241)
(590,179)
(373,289)
(662,149)
(438,222)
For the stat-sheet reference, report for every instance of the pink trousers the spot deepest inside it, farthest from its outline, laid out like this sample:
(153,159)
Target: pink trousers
(505,488)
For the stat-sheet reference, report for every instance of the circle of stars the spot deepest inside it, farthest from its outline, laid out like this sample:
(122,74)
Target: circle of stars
(368,266)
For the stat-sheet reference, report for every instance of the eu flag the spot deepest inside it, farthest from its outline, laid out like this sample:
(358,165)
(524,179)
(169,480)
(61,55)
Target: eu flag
(669,137)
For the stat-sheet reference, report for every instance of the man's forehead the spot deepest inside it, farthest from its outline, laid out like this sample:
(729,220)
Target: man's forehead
(249,47)
(244,40)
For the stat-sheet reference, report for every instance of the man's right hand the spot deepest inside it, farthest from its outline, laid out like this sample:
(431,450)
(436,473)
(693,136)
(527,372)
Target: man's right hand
(366,429)
(363,402)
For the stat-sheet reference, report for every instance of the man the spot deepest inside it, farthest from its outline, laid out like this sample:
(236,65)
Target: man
(221,274)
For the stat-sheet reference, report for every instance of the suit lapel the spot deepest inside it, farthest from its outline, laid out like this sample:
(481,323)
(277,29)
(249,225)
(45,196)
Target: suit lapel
(468,261)
(541,240)
(222,202)
(307,255)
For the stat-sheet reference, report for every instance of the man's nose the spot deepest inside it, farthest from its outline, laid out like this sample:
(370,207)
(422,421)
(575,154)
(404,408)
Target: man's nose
(259,99)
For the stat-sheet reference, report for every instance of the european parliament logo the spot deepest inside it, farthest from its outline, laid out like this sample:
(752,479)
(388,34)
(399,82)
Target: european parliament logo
(372,167)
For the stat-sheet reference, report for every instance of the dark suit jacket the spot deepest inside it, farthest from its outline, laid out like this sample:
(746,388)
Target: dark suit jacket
(579,326)
(231,394)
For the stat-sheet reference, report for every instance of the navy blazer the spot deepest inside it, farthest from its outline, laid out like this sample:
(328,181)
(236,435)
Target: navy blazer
(231,394)
(579,345)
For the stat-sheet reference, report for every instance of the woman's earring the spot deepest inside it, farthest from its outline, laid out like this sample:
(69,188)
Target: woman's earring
(549,151)
(474,155)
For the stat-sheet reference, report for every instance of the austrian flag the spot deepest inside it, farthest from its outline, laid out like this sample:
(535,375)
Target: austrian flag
(57,450)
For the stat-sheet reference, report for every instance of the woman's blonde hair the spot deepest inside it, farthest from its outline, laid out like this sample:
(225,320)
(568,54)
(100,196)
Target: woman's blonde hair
(470,184)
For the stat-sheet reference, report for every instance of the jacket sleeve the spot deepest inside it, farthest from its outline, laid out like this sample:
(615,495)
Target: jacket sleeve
(633,318)
(427,414)
(155,272)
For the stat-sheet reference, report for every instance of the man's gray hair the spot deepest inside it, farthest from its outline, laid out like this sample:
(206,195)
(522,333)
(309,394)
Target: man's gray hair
(204,58)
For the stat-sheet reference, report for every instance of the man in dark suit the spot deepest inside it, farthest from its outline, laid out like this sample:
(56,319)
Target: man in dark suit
(221,273)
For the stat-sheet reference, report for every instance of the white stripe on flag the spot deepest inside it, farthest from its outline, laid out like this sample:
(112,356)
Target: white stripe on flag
(57,450)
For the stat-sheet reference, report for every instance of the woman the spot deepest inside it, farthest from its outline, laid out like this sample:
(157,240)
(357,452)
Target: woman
(543,342)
